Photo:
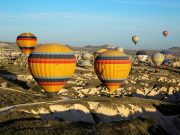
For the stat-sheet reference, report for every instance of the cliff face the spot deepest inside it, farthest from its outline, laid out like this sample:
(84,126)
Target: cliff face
(94,112)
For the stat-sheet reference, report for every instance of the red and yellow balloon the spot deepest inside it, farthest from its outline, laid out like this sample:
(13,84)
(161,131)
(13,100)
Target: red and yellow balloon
(26,42)
(112,67)
(165,33)
(52,65)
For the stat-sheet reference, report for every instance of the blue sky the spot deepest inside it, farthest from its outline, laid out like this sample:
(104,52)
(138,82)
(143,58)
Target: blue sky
(93,22)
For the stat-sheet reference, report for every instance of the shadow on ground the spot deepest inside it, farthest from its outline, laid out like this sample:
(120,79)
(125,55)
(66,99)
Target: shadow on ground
(74,121)
(13,78)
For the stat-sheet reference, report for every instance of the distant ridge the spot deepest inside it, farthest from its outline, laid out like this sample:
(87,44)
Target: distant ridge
(92,49)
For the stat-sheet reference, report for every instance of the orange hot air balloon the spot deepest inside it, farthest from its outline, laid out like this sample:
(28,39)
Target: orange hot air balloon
(112,67)
(52,65)
(165,33)
(26,42)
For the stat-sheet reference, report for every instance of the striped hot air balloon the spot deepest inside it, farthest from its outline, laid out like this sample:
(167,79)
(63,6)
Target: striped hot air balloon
(112,67)
(99,51)
(52,65)
(158,59)
(26,42)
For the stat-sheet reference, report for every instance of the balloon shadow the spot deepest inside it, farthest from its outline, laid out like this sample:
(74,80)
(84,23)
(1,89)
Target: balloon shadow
(13,78)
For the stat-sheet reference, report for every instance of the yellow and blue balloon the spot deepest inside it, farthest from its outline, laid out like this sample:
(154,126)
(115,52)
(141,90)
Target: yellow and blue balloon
(26,42)
(52,65)
(112,68)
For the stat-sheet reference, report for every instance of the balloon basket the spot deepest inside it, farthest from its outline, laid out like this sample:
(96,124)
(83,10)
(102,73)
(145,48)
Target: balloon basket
(51,94)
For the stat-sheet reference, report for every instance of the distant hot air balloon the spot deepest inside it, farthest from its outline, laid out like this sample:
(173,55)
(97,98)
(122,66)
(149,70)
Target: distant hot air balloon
(86,59)
(120,49)
(110,47)
(135,39)
(141,56)
(158,59)
(52,65)
(26,42)
(99,51)
(168,56)
(165,33)
(112,67)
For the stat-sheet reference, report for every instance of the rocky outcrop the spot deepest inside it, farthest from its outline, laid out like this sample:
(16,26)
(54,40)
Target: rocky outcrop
(94,112)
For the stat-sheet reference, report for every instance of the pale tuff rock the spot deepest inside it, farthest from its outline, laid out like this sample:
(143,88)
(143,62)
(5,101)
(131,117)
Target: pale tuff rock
(123,111)
(80,95)
(77,88)
(177,88)
(176,64)
(25,78)
(62,92)
(126,82)
(71,82)
(133,82)
(163,89)
(171,91)
(80,83)
(135,110)
(119,91)
(146,91)
(139,92)
(93,91)
(93,112)
(74,113)
(162,79)
(106,114)
(93,105)
(80,79)
(15,55)
(145,77)
(85,91)
(44,114)
(146,84)
(153,92)
(174,81)
(4,84)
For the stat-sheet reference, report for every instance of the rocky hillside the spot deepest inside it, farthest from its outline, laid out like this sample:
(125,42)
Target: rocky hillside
(91,48)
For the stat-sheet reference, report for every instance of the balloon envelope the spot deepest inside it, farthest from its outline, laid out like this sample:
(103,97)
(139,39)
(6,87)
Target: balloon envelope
(120,49)
(158,59)
(135,39)
(165,33)
(52,65)
(99,51)
(26,42)
(141,56)
(168,56)
(112,67)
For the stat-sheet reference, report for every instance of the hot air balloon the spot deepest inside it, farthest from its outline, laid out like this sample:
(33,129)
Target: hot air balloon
(86,59)
(52,65)
(110,47)
(135,39)
(26,42)
(168,56)
(120,49)
(165,33)
(158,59)
(112,67)
(141,56)
(99,51)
